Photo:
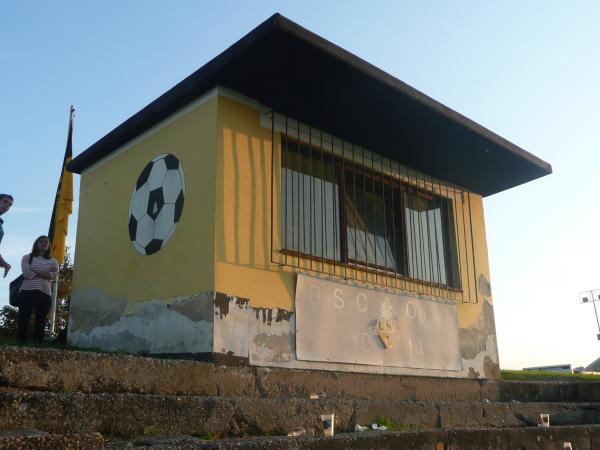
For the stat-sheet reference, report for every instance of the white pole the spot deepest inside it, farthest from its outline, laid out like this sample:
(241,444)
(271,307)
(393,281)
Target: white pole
(53,307)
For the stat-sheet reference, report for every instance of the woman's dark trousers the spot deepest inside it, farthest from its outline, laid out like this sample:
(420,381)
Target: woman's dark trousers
(37,302)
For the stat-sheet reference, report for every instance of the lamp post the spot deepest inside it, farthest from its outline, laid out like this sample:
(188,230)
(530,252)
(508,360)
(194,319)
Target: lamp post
(591,297)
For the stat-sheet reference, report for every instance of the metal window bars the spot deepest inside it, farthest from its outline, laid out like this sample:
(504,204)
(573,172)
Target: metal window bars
(339,209)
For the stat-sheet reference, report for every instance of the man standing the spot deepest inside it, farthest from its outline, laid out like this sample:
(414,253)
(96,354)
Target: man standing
(6,202)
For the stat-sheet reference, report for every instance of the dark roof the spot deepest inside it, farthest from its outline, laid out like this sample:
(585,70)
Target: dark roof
(306,77)
(594,366)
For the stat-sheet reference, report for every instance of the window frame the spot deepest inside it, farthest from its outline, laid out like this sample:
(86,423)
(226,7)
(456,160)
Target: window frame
(343,166)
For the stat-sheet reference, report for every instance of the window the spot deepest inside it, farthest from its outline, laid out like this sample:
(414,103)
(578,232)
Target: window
(342,211)
(310,212)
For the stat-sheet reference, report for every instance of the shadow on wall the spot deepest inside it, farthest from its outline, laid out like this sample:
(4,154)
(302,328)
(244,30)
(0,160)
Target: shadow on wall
(246,207)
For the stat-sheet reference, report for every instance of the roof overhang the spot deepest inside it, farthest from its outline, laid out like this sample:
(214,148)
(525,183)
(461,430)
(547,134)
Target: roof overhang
(306,77)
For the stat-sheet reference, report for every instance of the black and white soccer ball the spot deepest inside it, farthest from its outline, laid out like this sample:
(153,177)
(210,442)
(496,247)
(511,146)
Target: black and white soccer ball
(156,204)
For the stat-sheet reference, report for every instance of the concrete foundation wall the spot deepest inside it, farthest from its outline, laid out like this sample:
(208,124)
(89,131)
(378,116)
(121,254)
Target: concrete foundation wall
(177,325)
(229,326)
(271,342)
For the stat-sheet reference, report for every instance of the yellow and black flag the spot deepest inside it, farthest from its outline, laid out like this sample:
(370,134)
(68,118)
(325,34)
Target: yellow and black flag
(63,203)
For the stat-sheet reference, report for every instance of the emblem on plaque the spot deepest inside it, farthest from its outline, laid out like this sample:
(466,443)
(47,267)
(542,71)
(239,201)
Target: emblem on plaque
(384,325)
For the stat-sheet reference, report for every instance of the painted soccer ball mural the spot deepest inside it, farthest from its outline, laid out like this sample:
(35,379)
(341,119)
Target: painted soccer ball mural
(156,204)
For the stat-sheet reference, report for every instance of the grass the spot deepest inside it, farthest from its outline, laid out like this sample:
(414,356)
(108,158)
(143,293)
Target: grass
(12,342)
(207,436)
(391,425)
(153,431)
(535,375)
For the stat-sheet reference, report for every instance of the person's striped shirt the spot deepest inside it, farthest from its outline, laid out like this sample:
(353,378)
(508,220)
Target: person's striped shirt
(31,280)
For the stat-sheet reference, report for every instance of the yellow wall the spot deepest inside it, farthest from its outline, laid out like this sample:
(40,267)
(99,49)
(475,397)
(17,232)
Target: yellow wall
(468,314)
(105,255)
(242,234)
(243,264)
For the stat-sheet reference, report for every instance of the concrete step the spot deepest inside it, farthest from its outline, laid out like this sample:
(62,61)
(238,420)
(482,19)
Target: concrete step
(28,439)
(549,391)
(131,415)
(88,372)
(553,438)
(76,371)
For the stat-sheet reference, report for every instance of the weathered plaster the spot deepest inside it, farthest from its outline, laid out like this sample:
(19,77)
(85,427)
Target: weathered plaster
(483,286)
(491,368)
(230,325)
(473,373)
(222,324)
(183,325)
(273,343)
(486,364)
(473,339)
(478,345)
(195,308)
(268,315)
(92,309)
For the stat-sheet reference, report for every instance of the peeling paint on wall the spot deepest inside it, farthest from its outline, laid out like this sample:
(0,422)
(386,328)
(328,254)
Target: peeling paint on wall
(481,350)
(231,315)
(273,344)
(473,373)
(195,308)
(157,326)
(486,364)
(483,286)
(93,309)
(223,324)
(491,368)
(272,339)
(222,302)
(204,323)
(268,315)
(473,339)
(277,347)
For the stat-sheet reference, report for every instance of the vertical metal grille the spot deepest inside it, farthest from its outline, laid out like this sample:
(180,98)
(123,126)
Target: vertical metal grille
(339,209)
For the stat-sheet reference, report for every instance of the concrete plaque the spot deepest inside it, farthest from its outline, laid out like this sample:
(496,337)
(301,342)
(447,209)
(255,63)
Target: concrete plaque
(337,322)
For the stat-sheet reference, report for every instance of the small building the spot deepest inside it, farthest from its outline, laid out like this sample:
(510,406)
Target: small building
(592,368)
(565,368)
(291,205)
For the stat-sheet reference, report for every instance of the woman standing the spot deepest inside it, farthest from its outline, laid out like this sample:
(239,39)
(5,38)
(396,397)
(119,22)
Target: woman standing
(39,269)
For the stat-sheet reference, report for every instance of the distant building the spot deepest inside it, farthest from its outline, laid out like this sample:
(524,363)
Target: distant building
(558,368)
(593,367)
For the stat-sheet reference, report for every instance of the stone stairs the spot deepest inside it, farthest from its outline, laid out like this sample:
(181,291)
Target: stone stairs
(580,437)
(71,399)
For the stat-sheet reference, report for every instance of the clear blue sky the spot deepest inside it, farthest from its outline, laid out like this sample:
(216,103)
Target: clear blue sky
(529,71)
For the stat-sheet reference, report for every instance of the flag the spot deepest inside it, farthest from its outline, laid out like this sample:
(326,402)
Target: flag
(63,202)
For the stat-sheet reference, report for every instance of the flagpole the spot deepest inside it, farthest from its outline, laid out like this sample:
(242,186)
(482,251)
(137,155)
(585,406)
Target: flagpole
(52,314)
(53,307)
